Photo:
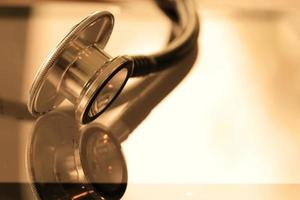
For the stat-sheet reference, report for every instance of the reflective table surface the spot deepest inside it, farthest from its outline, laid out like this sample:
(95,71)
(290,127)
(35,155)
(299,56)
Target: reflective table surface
(223,123)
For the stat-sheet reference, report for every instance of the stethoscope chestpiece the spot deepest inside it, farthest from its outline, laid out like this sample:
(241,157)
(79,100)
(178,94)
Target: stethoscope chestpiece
(81,71)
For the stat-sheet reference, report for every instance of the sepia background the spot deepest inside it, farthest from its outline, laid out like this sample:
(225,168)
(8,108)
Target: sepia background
(225,124)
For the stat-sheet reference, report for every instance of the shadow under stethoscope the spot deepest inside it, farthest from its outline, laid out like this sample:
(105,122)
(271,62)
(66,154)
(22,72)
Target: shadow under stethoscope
(142,96)
(70,161)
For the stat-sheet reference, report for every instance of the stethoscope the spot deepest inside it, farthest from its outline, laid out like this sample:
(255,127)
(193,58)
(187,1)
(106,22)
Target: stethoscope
(79,69)
(64,142)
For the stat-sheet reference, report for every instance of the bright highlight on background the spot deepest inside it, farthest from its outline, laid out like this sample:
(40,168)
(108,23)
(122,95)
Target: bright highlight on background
(233,118)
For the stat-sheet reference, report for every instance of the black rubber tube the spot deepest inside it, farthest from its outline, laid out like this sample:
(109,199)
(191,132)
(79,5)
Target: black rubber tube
(181,12)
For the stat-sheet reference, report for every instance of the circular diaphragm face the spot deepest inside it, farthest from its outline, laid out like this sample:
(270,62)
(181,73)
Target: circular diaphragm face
(102,92)
(93,30)
(108,92)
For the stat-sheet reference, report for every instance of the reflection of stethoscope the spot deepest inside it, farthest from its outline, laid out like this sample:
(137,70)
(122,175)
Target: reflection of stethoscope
(82,72)
(68,162)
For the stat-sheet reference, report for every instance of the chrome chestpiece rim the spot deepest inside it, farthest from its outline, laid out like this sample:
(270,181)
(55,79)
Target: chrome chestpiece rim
(80,71)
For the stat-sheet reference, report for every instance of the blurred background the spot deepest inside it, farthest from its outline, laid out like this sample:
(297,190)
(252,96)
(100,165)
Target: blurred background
(228,128)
